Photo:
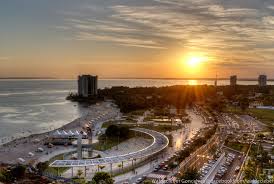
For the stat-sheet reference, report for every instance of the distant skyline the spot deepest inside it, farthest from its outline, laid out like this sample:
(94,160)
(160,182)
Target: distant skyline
(137,38)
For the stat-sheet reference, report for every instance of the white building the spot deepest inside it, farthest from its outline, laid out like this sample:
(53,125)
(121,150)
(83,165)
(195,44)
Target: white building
(87,85)
(262,80)
(233,80)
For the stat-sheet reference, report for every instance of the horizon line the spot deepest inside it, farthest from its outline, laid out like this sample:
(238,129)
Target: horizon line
(132,78)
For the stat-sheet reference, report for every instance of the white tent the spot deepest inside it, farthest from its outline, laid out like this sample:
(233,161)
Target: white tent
(21,160)
(71,133)
(40,149)
(31,154)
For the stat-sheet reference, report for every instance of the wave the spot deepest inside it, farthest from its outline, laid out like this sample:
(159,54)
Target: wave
(8,110)
(48,104)
(34,92)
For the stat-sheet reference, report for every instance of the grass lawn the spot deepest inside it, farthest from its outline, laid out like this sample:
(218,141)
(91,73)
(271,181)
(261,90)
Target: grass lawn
(55,170)
(160,128)
(266,116)
(105,144)
(108,123)
(136,113)
(238,146)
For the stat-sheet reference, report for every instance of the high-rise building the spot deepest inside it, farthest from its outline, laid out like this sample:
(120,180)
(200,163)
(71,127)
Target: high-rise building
(87,85)
(216,81)
(262,80)
(233,80)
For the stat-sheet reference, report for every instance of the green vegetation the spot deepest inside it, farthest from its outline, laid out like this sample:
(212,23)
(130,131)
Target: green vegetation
(44,166)
(108,123)
(237,146)
(117,131)
(148,182)
(136,113)
(90,100)
(102,178)
(190,175)
(113,136)
(142,98)
(14,173)
(79,179)
(197,143)
(160,128)
(266,116)
(258,160)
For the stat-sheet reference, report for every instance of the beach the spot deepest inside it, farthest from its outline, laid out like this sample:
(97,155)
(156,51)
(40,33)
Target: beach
(22,147)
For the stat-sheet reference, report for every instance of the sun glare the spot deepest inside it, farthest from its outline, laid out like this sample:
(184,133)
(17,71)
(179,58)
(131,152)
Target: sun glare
(194,61)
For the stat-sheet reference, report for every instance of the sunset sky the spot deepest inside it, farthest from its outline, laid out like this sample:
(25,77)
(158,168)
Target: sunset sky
(136,38)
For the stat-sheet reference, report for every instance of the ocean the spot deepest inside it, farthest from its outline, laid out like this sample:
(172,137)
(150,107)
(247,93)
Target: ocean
(36,106)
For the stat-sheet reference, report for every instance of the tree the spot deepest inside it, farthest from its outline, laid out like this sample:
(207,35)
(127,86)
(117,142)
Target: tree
(18,171)
(6,176)
(124,132)
(102,178)
(244,103)
(79,173)
(112,131)
(42,166)
(101,167)
(148,182)
(190,174)
(217,104)
(120,166)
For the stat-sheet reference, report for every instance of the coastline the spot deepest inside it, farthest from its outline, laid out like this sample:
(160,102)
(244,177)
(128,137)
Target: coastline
(21,147)
(27,144)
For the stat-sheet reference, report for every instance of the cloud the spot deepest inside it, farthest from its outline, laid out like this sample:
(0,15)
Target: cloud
(271,7)
(4,58)
(126,41)
(268,20)
(229,30)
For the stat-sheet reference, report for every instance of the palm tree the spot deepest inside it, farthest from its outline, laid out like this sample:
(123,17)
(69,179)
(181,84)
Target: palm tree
(101,167)
(102,177)
(119,166)
(79,173)
(191,174)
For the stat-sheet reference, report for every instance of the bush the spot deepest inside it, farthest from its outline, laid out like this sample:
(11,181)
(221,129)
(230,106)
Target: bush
(102,177)
(115,131)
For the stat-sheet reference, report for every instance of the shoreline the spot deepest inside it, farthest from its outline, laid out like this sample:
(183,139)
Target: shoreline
(38,134)
(21,147)
(28,143)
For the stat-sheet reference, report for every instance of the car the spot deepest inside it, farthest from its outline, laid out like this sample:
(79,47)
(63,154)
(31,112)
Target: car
(139,180)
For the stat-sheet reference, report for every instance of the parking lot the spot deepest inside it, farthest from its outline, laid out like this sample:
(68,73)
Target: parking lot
(223,167)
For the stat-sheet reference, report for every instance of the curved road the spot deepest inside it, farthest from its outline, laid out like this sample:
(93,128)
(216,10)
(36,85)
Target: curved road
(160,142)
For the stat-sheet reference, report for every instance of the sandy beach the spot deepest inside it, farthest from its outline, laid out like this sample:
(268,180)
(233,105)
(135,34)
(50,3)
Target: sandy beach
(20,148)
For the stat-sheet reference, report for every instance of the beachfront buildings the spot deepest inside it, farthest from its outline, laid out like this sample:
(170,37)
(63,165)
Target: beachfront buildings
(262,80)
(233,80)
(87,85)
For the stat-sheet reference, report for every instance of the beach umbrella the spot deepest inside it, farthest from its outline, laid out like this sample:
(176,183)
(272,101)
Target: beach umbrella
(21,160)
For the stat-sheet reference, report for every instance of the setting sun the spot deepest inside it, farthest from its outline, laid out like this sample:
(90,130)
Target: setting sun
(194,61)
